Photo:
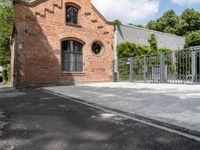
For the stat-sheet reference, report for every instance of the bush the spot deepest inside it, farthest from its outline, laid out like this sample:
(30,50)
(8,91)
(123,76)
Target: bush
(6,74)
(9,73)
(193,39)
(128,49)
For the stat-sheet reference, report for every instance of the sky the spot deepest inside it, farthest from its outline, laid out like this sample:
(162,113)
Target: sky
(141,11)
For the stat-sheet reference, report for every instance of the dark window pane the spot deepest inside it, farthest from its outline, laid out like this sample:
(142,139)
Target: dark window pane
(96,48)
(71,14)
(72,58)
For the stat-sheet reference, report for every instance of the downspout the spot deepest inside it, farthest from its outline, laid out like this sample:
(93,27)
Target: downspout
(115,61)
(15,61)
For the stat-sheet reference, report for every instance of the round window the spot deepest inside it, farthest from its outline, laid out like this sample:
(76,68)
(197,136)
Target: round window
(96,48)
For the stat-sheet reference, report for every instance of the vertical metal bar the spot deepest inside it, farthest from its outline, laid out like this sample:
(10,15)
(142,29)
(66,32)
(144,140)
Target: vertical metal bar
(180,69)
(199,67)
(145,70)
(131,70)
(193,66)
(173,69)
(186,66)
(162,67)
(190,65)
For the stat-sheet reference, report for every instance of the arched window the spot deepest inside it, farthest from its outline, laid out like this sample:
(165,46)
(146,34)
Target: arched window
(71,14)
(72,56)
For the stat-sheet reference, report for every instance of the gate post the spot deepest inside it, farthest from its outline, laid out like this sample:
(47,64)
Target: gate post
(145,69)
(131,70)
(115,71)
(162,67)
(193,66)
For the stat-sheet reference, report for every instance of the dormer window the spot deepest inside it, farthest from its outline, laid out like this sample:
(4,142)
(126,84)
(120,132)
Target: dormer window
(71,14)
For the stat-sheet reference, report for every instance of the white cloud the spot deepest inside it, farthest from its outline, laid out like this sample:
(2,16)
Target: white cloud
(128,11)
(185,2)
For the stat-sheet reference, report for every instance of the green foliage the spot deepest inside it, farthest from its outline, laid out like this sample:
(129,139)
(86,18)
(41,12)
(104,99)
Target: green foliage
(128,49)
(151,25)
(181,27)
(6,27)
(166,23)
(117,22)
(192,20)
(9,73)
(184,25)
(137,25)
(164,50)
(153,43)
(5,75)
(193,39)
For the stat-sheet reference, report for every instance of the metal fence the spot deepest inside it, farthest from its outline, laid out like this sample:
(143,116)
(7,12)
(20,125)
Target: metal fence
(181,66)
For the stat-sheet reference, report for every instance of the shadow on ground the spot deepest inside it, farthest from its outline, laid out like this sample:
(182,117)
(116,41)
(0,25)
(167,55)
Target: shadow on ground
(36,120)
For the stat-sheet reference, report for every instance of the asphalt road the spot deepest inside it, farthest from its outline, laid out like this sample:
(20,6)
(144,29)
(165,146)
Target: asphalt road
(36,120)
(174,104)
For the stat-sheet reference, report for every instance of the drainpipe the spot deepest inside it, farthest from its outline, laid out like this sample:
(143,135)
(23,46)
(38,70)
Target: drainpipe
(115,62)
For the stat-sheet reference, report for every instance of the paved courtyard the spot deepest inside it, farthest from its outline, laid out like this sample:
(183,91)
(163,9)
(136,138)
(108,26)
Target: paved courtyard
(175,104)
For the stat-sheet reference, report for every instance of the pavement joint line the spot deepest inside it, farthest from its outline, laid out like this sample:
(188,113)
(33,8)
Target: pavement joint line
(125,116)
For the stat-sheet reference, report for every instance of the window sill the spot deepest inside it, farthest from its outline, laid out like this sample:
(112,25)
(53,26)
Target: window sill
(74,25)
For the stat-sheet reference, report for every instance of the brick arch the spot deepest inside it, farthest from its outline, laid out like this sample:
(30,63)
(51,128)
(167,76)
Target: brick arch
(73,4)
(73,38)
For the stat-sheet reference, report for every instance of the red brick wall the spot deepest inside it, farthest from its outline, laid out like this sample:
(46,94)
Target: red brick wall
(40,33)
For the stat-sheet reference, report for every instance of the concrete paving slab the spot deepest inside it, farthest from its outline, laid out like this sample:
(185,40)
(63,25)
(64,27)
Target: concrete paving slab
(170,103)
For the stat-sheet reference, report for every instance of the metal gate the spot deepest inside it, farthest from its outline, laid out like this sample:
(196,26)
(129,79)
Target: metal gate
(180,67)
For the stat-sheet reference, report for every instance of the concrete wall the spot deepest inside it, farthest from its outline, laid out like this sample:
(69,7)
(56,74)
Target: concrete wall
(141,36)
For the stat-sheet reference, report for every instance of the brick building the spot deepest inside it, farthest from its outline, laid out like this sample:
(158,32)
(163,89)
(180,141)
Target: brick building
(60,42)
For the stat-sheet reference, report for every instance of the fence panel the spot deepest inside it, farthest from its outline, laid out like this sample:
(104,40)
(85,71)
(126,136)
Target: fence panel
(177,67)
(123,70)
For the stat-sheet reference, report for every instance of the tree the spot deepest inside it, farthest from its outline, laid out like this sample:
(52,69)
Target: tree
(126,49)
(6,27)
(166,23)
(117,22)
(151,25)
(184,25)
(181,27)
(137,25)
(191,19)
(153,43)
(193,39)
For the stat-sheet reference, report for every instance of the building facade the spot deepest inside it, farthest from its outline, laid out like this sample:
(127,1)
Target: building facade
(60,42)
